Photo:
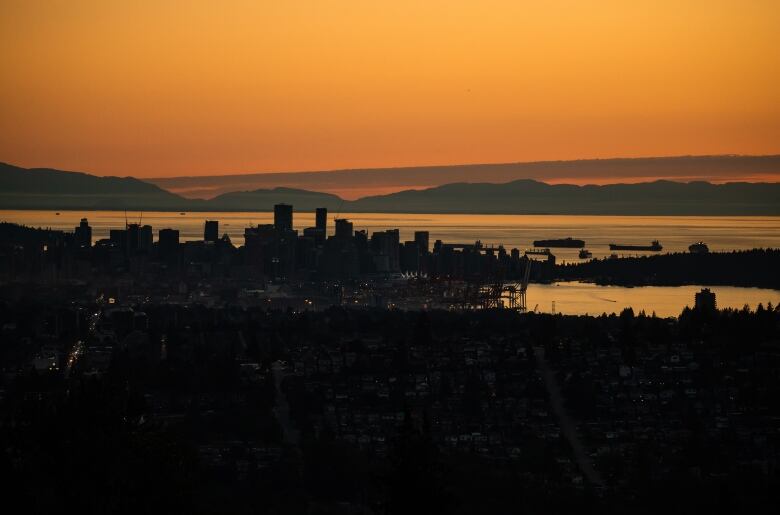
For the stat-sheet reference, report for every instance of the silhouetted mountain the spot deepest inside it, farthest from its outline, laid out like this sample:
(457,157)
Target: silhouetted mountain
(532,197)
(44,188)
(53,189)
(355,183)
(264,200)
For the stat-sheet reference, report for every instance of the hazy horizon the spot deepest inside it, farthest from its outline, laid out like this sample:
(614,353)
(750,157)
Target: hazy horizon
(154,89)
(354,183)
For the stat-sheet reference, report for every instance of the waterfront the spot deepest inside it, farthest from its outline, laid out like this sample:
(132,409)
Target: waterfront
(578,298)
(674,233)
(573,298)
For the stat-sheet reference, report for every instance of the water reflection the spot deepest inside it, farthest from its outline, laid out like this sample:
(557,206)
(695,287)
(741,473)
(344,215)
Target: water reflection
(577,298)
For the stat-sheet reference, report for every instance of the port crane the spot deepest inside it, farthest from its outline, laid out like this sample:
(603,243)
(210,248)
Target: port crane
(477,293)
(495,294)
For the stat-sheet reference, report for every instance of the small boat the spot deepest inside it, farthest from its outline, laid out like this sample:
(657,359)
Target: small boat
(699,248)
(586,254)
(182,214)
(57,213)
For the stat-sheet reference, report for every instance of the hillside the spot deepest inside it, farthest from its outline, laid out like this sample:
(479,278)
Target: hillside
(52,189)
(355,183)
(44,188)
(532,197)
(264,200)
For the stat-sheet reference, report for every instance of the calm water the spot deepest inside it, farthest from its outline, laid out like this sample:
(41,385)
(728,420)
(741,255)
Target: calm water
(674,233)
(576,298)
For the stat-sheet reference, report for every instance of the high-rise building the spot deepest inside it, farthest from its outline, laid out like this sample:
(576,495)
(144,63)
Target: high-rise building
(139,237)
(118,238)
(84,234)
(168,237)
(394,249)
(410,257)
(257,241)
(315,234)
(422,238)
(387,245)
(145,238)
(168,242)
(343,229)
(211,231)
(321,219)
(270,250)
(705,300)
(283,217)
(360,238)
(133,237)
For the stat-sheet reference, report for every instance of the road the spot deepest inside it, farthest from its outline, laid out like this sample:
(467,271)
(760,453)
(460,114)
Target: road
(567,425)
(79,348)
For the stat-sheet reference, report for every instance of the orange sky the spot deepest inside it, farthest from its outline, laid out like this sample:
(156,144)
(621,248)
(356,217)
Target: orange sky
(159,88)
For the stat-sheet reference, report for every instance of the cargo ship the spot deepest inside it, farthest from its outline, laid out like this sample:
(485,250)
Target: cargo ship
(567,243)
(653,247)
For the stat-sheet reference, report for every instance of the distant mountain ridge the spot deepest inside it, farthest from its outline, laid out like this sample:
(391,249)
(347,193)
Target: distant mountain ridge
(46,188)
(50,189)
(527,196)
(355,183)
(250,200)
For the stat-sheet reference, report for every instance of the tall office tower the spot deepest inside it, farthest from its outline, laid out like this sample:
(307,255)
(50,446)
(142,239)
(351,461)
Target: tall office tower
(410,256)
(168,242)
(118,238)
(84,234)
(343,229)
(322,219)
(422,238)
(394,249)
(139,237)
(211,231)
(387,244)
(283,217)
(145,238)
(133,237)
(360,238)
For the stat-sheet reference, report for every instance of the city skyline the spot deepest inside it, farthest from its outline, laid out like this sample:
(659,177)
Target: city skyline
(390,257)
